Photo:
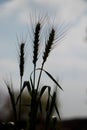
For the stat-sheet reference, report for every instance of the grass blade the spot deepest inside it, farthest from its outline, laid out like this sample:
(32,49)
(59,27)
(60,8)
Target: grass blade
(26,84)
(50,110)
(31,83)
(57,112)
(12,98)
(43,90)
(48,101)
(51,77)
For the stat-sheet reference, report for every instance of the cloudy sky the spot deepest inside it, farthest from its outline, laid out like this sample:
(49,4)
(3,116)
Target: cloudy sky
(67,62)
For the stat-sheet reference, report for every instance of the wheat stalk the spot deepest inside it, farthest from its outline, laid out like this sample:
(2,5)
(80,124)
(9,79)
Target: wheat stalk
(36,47)
(48,47)
(21,67)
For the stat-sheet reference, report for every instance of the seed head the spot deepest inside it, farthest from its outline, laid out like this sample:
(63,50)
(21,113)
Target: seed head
(21,65)
(36,42)
(49,44)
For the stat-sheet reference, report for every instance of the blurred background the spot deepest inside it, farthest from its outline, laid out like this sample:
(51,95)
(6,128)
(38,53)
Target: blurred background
(67,62)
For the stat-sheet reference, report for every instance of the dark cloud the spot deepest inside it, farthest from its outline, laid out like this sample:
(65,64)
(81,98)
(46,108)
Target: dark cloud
(85,0)
(3,1)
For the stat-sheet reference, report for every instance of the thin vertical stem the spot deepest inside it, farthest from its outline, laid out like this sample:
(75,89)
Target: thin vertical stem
(34,75)
(39,77)
(19,116)
(21,67)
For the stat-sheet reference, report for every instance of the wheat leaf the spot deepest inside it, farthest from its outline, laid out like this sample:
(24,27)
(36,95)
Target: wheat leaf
(43,90)
(31,83)
(57,112)
(52,103)
(51,77)
(12,98)
(48,101)
(26,84)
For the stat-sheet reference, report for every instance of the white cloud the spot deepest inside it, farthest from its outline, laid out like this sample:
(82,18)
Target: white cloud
(7,65)
(11,7)
(66,10)
(61,10)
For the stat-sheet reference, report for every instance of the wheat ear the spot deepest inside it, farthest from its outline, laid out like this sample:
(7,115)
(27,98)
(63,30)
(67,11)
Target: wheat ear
(21,65)
(48,46)
(36,42)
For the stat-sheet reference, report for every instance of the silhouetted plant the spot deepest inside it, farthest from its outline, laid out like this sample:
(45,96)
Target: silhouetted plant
(21,67)
(12,98)
(35,90)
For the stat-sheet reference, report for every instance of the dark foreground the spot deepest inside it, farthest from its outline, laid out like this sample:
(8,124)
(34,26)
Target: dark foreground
(73,124)
(70,124)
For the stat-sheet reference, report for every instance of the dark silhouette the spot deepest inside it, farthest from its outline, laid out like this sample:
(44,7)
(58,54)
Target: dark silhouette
(73,124)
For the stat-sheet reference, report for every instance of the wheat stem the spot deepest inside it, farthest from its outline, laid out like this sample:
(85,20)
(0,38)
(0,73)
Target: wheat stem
(21,66)
(19,116)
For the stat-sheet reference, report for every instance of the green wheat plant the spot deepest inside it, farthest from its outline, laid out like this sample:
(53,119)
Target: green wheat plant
(33,85)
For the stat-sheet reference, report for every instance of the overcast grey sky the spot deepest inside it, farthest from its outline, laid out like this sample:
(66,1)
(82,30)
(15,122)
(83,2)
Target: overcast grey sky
(68,61)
